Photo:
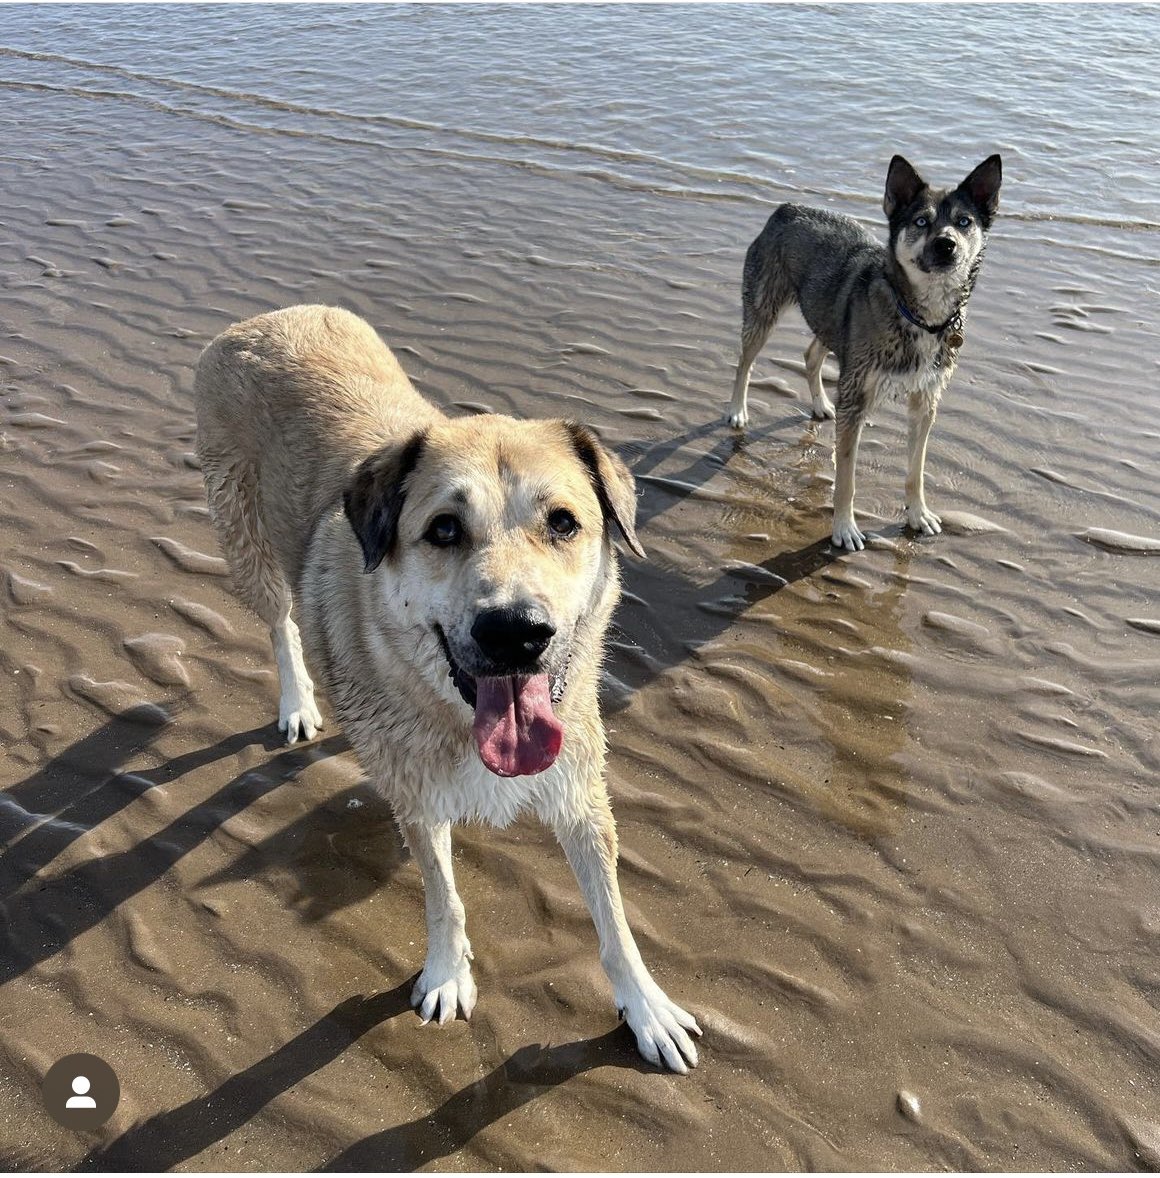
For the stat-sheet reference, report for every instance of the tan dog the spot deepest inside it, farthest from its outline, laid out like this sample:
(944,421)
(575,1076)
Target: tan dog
(453,581)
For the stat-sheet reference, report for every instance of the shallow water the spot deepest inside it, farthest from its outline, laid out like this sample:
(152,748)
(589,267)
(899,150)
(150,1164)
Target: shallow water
(890,822)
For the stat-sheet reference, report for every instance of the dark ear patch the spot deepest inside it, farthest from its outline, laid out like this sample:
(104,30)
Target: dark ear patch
(981,187)
(611,480)
(903,184)
(374,499)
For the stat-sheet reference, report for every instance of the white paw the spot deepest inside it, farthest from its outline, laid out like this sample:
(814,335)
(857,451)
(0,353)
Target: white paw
(922,519)
(824,409)
(846,534)
(661,1028)
(298,713)
(443,988)
(739,418)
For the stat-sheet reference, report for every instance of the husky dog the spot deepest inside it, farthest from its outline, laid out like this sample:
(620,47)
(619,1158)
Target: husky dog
(453,580)
(893,316)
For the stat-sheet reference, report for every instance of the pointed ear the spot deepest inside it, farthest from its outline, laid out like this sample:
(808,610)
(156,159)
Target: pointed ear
(982,187)
(611,480)
(903,184)
(374,498)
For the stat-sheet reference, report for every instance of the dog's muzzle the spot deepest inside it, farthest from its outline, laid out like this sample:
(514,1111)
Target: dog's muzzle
(515,726)
(522,657)
(943,251)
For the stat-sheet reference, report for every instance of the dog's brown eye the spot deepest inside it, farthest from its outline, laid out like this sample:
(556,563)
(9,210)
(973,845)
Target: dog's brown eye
(562,524)
(444,531)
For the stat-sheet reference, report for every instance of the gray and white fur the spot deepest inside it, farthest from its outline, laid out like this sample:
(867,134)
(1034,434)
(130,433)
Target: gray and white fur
(892,315)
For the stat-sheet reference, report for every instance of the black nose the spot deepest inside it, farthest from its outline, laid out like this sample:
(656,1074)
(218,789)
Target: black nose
(944,248)
(513,637)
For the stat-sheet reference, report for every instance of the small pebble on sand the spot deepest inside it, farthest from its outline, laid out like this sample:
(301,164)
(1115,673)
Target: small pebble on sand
(908,1105)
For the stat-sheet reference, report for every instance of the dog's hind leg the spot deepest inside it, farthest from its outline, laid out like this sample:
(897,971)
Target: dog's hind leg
(759,310)
(257,579)
(446,982)
(661,1027)
(754,333)
(920,419)
(815,357)
(851,415)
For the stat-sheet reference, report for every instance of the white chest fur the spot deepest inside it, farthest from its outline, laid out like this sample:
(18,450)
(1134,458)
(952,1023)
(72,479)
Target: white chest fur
(428,768)
(924,382)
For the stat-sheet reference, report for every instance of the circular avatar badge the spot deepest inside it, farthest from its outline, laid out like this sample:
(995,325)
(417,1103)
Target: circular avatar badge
(81,1091)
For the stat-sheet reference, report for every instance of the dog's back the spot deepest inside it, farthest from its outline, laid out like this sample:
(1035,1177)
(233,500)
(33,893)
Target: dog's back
(263,426)
(815,258)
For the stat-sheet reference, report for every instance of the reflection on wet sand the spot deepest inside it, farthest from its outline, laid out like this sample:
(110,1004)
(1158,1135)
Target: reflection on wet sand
(863,709)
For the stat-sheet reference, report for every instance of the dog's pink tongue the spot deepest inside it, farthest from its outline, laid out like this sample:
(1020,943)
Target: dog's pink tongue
(516,731)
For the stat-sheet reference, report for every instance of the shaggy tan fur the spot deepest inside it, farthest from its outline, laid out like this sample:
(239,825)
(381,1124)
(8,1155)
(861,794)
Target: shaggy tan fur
(327,477)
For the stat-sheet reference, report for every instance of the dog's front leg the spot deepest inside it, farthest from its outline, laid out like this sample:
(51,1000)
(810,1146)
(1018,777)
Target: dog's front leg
(920,419)
(851,414)
(446,980)
(660,1025)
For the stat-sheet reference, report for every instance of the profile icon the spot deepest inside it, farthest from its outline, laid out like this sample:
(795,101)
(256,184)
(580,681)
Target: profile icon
(81,1091)
(80,1097)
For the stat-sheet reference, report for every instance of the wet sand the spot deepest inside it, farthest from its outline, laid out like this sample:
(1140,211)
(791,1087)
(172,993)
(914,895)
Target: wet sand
(889,821)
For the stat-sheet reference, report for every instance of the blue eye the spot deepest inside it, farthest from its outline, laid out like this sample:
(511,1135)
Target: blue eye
(921,222)
(964,222)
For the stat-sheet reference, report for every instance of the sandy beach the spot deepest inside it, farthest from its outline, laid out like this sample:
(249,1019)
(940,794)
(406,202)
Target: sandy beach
(890,822)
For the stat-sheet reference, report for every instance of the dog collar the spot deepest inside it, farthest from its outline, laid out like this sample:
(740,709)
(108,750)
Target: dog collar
(954,323)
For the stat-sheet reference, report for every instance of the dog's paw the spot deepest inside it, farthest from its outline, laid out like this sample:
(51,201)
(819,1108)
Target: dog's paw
(922,519)
(846,534)
(823,409)
(298,714)
(662,1028)
(739,418)
(443,989)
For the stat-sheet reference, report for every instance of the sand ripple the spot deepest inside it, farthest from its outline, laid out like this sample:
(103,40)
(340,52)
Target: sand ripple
(1115,541)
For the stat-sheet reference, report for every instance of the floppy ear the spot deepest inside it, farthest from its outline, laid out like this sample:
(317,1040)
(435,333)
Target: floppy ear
(375,495)
(611,480)
(982,186)
(903,184)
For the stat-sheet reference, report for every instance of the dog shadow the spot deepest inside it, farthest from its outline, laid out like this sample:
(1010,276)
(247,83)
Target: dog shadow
(645,459)
(338,853)
(38,918)
(77,790)
(167,1139)
(704,611)
(523,1077)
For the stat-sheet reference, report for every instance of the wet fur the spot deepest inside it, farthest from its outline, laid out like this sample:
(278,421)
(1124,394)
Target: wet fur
(323,468)
(848,286)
